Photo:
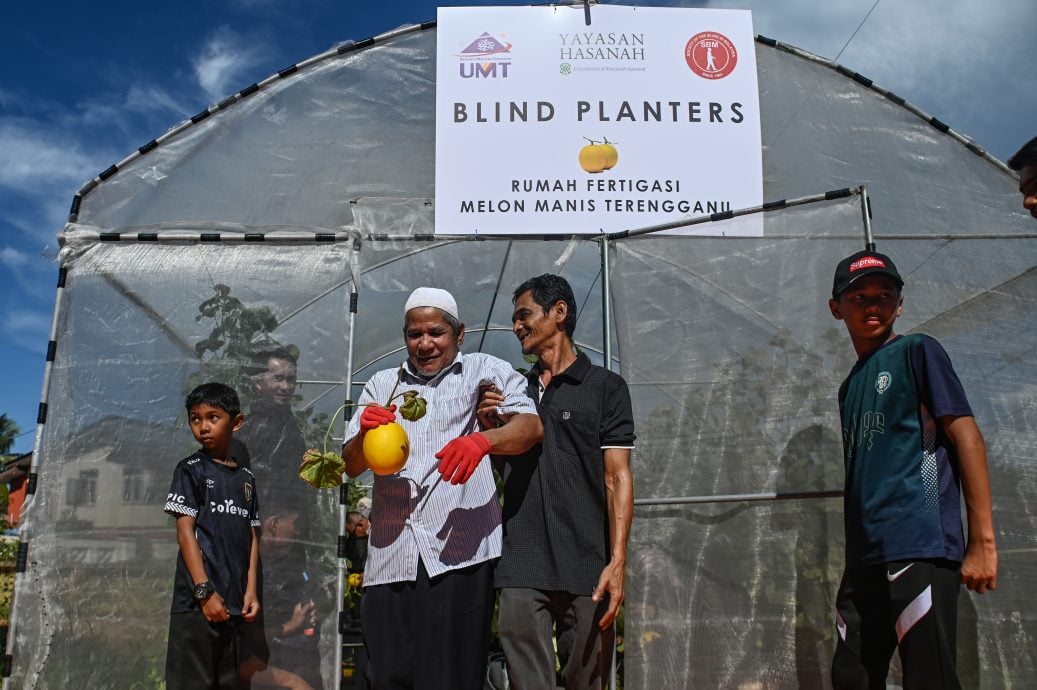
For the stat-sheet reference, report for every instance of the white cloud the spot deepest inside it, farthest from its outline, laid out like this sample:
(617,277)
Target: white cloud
(25,327)
(19,103)
(41,223)
(145,111)
(96,114)
(34,157)
(145,98)
(222,60)
(26,275)
(12,258)
(42,167)
(48,150)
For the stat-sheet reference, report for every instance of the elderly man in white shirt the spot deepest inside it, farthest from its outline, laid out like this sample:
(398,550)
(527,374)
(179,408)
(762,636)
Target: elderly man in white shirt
(436,524)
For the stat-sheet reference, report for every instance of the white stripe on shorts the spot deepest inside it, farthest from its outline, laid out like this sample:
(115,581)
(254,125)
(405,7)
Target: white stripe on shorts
(914,612)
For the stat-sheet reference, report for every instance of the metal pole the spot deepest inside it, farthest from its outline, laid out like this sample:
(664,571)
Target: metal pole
(714,217)
(869,241)
(606,348)
(737,498)
(22,566)
(343,507)
(606,306)
(493,300)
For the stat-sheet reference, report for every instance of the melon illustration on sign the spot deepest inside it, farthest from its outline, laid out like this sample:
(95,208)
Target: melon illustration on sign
(597,156)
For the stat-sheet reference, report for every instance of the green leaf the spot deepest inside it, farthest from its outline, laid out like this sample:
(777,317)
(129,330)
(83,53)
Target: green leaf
(413,407)
(322,470)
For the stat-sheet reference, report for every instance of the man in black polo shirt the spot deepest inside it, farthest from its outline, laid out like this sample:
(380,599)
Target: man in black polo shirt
(568,502)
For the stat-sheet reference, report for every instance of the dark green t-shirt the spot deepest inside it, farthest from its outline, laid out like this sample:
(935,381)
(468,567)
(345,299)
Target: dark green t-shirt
(902,497)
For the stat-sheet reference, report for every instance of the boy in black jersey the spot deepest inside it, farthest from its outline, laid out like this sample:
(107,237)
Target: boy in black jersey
(214,502)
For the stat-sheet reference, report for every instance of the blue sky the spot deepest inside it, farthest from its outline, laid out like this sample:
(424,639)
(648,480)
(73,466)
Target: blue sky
(86,83)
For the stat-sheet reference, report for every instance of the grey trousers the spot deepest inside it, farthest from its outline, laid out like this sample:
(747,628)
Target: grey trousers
(528,621)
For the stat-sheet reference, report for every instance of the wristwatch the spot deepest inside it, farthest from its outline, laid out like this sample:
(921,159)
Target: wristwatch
(203,591)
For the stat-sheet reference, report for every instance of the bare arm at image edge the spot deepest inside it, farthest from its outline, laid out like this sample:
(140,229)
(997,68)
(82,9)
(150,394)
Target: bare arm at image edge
(619,495)
(979,569)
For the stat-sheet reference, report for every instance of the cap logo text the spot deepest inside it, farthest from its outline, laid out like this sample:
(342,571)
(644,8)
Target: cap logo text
(867,262)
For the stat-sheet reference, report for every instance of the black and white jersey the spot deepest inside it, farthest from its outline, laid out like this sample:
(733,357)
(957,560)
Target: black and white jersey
(223,502)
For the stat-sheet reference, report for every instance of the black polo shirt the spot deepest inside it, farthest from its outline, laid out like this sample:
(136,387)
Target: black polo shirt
(556,529)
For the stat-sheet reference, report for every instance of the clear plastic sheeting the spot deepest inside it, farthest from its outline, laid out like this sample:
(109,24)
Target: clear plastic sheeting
(732,357)
(734,361)
(102,550)
(296,152)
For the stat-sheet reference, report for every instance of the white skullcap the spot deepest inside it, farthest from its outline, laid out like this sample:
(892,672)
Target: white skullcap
(432,297)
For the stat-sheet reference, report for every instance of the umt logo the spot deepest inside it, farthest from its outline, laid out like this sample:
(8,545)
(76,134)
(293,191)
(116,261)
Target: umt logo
(484,70)
(487,57)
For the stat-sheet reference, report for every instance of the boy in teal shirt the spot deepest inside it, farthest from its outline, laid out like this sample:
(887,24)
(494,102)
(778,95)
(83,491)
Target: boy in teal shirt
(911,447)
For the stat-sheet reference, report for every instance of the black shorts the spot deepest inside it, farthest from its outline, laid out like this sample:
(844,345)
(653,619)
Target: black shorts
(201,654)
(907,605)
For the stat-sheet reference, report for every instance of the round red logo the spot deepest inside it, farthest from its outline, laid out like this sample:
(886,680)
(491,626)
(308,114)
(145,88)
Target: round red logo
(711,55)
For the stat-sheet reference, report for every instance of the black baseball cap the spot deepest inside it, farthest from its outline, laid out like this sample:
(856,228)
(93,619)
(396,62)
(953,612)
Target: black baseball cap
(863,263)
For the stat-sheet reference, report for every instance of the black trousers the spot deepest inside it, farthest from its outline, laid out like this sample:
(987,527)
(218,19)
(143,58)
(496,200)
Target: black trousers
(431,634)
(910,605)
(203,655)
(528,623)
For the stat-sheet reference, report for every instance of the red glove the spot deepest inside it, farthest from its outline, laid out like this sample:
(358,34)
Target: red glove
(374,416)
(459,458)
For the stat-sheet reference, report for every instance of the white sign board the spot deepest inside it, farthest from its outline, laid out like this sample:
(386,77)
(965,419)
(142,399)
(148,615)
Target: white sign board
(545,125)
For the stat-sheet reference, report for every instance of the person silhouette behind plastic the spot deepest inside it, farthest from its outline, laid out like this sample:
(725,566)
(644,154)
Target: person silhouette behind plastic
(276,447)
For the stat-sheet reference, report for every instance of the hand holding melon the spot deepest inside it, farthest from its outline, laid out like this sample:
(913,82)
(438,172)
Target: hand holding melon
(385,444)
